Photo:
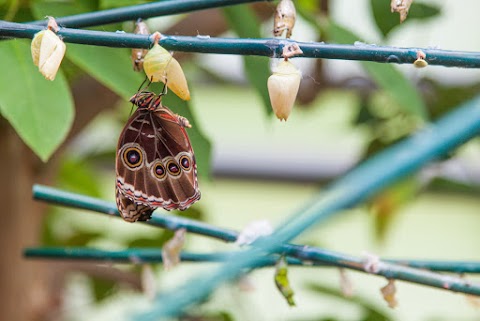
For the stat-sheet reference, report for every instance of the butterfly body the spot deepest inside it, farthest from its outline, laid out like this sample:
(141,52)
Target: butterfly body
(155,163)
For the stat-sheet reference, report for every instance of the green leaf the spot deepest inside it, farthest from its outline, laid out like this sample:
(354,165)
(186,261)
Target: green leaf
(420,10)
(110,66)
(386,205)
(41,111)
(385,76)
(81,238)
(102,288)
(78,176)
(113,68)
(386,20)
(246,25)
(41,9)
(108,4)
(308,5)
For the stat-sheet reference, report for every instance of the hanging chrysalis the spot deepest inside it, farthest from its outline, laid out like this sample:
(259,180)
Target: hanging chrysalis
(402,7)
(159,65)
(171,250)
(285,16)
(388,293)
(282,282)
(48,50)
(283,84)
(138,54)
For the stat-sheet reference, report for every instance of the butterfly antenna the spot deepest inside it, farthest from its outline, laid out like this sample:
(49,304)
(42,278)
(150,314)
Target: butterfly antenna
(164,90)
(141,88)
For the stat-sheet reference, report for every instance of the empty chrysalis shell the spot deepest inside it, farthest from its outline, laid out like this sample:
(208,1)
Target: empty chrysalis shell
(47,53)
(159,65)
(138,54)
(285,16)
(283,87)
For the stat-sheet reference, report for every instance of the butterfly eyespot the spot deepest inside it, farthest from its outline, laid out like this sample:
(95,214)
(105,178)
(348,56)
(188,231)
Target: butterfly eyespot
(173,168)
(185,162)
(159,171)
(133,157)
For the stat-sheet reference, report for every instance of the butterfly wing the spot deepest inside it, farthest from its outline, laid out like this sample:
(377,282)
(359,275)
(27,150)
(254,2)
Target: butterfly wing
(155,165)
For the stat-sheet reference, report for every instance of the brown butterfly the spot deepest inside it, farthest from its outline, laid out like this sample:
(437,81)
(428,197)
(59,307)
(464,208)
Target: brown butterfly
(155,164)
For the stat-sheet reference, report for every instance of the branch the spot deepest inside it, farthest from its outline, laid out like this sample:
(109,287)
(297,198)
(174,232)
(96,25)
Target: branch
(269,47)
(144,11)
(144,255)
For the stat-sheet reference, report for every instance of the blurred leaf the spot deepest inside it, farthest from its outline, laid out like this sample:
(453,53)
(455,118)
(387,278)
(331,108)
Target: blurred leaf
(102,288)
(386,20)
(41,9)
(442,99)
(420,10)
(245,24)
(385,76)
(385,205)
(211,316)
(77,176)
(108,4)
(81,238)
(41,111)
(110,66)
(372,313)
(156,242)
(451,186)
(308,5)
(113,68)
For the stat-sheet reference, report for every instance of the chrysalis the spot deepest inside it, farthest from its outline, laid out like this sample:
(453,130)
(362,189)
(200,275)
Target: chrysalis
(138,54)
(159,65)
(282,282)
(285,16)
(283,87)
(48,50)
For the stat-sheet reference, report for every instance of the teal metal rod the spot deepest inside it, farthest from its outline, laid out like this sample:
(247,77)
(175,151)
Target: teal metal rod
(144,11)
(171,222)
(144,255)
(141,255)
(361,183)
(269,47)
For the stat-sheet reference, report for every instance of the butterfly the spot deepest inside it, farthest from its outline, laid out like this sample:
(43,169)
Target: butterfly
(155,163)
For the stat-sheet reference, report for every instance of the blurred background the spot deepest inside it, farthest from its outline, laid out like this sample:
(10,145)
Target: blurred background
(252,166)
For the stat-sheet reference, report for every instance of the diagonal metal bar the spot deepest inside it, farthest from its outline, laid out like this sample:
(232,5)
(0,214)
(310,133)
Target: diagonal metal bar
(269,47)
(144,11)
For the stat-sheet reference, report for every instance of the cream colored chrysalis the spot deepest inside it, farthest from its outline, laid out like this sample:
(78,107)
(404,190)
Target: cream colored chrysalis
(159,65)
(48,50)
(283,84)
